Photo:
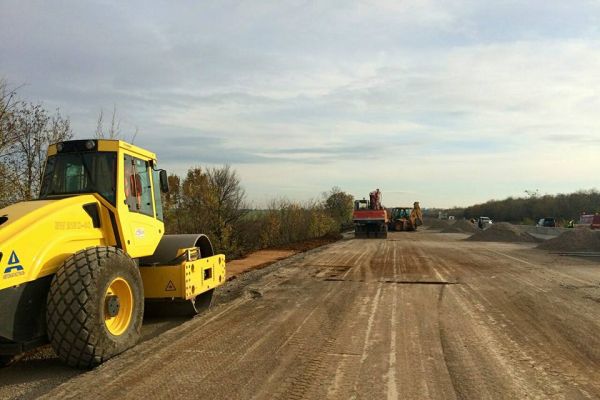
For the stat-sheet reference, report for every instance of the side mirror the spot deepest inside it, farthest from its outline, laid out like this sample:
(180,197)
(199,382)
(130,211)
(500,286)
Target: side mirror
(164,181)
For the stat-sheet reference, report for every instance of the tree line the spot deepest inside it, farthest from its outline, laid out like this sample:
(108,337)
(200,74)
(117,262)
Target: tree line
(213,201)
(530,208)
(207,200)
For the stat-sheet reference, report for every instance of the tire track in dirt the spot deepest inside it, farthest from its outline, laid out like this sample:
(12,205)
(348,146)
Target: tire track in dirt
(390,376)
(521,335)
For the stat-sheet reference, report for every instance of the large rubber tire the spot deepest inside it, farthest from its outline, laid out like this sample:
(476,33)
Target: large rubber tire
(78,325)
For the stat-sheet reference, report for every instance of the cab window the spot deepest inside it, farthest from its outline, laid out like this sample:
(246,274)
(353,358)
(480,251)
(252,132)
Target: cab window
(138,190)
(157,194)
(77,173)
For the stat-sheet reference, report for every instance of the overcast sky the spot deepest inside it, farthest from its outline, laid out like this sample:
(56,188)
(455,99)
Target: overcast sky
(447,102)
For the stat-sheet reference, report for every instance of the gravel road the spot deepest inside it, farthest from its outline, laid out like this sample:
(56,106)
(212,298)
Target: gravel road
(419,315)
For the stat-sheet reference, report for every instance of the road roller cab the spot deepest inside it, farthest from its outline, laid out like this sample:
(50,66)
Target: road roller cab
(80,264)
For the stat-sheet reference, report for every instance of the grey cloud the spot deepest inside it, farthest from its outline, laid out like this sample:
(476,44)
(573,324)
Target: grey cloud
(572,138)
(198,150)
(313,83)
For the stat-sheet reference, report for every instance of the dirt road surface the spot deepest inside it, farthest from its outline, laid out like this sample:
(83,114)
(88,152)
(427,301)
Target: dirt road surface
(419,315)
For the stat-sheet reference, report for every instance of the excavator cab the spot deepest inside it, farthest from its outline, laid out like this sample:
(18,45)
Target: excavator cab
(361,204)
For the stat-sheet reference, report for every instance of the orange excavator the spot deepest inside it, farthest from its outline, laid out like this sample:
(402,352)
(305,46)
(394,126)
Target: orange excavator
(369,217)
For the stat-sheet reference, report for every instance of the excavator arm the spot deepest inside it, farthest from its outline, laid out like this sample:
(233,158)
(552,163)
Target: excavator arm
(416,215)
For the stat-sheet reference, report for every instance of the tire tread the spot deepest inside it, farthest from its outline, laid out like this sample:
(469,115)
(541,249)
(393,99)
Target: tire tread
(70,312)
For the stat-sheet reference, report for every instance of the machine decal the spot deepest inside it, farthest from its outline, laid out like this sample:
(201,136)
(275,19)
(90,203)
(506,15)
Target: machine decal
(14,267)
(170,287)
(139,232)
(68,225)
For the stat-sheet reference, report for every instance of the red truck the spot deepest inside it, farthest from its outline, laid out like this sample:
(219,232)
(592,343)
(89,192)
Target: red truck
(369,217)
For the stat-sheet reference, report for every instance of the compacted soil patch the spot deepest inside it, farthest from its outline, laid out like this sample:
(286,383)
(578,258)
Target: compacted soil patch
(580,239)
(503,232)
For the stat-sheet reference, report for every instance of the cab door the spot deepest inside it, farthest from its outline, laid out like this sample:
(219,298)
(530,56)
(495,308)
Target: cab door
(144,229)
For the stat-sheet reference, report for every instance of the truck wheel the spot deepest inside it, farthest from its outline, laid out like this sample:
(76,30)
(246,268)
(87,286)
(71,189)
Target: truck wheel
(95,306)
(6,360)
(383,233)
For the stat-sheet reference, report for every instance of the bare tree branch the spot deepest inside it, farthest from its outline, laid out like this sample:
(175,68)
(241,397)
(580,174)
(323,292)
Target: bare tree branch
(115,125)
(99,134)
(114,130)
(23,160)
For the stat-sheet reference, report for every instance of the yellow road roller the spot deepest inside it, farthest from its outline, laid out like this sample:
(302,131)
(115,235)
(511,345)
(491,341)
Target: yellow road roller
(80,264)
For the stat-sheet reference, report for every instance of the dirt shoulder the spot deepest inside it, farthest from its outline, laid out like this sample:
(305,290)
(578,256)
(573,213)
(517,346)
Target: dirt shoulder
(262,258)
(256,260)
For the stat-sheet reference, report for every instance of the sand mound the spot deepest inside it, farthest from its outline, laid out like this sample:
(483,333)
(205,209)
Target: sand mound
(502,232)
(438,224)
(461,226)
(580,239)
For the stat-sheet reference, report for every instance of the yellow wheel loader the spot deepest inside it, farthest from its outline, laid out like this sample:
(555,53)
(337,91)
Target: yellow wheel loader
(79,265)
(405,218)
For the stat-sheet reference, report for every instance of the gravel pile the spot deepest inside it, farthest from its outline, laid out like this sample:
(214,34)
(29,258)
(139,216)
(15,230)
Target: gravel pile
(461,226)
(503,232)
(438,224)
(580,239)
